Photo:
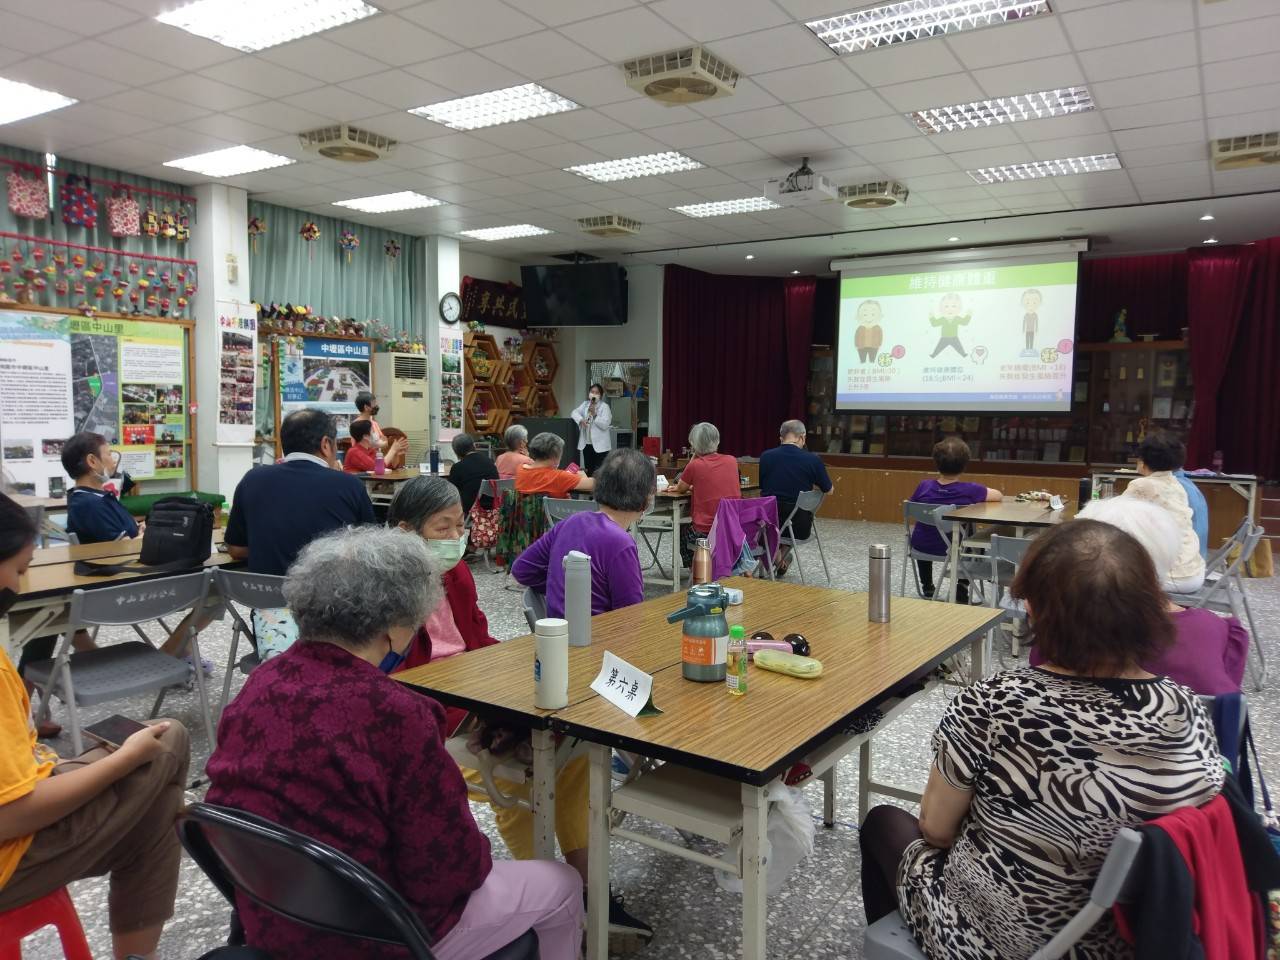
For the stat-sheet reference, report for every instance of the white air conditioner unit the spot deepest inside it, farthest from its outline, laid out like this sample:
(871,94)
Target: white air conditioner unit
(347,143)
(610,225)
(1241,153)
(801,188)
(678,77)
(874,196)
(402,387)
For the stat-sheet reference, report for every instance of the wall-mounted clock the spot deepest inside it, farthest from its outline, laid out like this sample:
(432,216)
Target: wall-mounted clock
(450,308)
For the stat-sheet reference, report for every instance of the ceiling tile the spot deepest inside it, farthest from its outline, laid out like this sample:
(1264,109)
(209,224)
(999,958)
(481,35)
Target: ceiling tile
(627,33)
(1044,74)
(320,170)
(776,49)
(105,61)
(907,148)
(746,96)
(465,73)
(399,89)
(1243,124)
(862,132)
(279,116)
(1126,21)
(157,41)
(254,74)
(992,156)
(641,113)
(713,19)
(461,146)
(556,12)
(508,164)
(390,39)
(1160,136)
(227,127)
(1236,40)
(1231,102)
(22,33)
(976,138)
(335,103)
(579,125)
(114,122)
(471,23)
(1022,188)
(324,59)
(691,133)
(502,186)
(552,180)
(918,167)
(561,155)
(904,62)
(936,92)
(825,78)
(1166,85)
(517,136)
(540,55)
(1142,56)
(1051,128)
(144,103)
(68,81)
(1152,114)
(1010,43)
(801,143)
(1212,14)
(1073,147)
(844,108)
(86,17)
(1244,72)
(180,142)
(593,87)
(1170,153)
(761,123)
(204,92)
(9,57)
(719,154)
(629,144)
(402,126)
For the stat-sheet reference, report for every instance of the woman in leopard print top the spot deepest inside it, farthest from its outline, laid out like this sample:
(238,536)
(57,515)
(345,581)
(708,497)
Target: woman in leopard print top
(1035,771)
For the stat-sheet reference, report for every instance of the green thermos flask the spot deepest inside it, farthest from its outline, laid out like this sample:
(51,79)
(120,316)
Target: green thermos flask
(705,642)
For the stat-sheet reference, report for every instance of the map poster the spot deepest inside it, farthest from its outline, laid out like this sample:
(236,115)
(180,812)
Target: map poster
(237,373)
(35,400)
(324,374)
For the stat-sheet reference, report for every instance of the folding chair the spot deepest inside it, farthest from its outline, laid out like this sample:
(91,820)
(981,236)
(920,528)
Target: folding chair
(808,501)
(497,489)
(889,939)
(913,513)
(309,882)
(535,606)
(558,510)
(124,669)
(1005,554)
(256,591)
(973,566)
(658,525)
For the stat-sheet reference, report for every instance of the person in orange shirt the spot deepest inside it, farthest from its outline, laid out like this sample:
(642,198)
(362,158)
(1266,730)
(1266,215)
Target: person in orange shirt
(516,440)
(107,812)
(544,475)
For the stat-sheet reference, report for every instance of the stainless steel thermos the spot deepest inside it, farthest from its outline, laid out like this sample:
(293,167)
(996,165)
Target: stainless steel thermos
(878,563)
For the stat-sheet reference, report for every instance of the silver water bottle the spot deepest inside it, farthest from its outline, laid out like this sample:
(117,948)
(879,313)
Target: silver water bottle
(577,597)
(878,577)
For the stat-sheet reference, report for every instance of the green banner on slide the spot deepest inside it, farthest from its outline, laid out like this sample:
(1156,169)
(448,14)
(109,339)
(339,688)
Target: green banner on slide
(967,278)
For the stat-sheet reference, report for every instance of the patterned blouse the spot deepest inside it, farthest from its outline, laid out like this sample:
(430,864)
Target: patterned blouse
(1057,766)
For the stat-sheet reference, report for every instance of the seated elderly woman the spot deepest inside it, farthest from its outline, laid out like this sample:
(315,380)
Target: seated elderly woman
(430,507)
(1159,454)
(1035,771)
(1209,652)
(322,741)
(543,474)
(516,440)
(712,476)
(624,485)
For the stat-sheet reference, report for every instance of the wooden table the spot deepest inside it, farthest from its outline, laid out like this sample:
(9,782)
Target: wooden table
(1244,485)
(671,504)
(1003,513)
(50,504)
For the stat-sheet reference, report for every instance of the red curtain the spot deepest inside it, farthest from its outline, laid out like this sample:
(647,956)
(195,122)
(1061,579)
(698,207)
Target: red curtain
(1249,412)
(1151,289)
(735,352)
(1217,286)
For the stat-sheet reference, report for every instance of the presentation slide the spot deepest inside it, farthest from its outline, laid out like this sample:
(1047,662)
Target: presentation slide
(987,338)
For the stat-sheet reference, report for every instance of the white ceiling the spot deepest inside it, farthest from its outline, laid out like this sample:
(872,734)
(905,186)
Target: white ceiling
(1166,75)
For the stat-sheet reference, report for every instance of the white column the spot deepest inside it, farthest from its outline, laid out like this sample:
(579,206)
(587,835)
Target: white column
(221,229)
(443,275)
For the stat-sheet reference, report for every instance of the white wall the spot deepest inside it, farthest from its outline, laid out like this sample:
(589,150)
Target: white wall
(472,263)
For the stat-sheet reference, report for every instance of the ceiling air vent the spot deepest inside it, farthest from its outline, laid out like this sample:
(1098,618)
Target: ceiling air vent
(609,225)
(347,143)
(690,75)
(1240,153)
(874,196)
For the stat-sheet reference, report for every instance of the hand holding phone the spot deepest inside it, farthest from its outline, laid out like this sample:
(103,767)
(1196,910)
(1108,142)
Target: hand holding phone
(143,746)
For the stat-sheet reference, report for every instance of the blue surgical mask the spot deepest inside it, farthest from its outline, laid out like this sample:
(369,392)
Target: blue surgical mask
(393,659)
(448,552)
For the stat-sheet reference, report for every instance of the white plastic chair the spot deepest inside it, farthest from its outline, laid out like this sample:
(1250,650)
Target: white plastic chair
(808,501)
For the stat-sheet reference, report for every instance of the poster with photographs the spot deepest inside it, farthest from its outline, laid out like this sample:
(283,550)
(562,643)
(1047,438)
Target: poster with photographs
(153,402)
(237,377)
(450,384)
(35,400)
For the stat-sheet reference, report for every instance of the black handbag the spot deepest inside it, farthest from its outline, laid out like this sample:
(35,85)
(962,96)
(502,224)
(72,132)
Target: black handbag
(179,536)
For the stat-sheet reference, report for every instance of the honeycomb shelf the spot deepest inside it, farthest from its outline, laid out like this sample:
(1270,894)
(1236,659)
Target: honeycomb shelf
(501,391)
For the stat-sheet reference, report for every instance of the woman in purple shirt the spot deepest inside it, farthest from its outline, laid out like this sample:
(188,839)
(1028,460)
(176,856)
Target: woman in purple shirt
(624,486)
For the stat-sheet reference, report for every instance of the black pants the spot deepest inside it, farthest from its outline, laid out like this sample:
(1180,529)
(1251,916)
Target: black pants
(592,458)
(945,342)
(801,523)
(925,568)
(41,648)
(884,836)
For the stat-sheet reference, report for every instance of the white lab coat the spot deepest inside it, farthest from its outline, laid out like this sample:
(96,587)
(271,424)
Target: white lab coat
(598,432)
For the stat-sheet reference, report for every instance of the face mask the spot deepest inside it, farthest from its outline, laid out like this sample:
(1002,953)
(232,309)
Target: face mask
(448,552)
(393,659)
(373,411)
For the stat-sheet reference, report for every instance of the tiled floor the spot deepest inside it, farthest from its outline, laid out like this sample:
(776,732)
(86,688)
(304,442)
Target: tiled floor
(818,913)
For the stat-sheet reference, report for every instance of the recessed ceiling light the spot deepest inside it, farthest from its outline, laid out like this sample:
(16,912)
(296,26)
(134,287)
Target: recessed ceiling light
(1211,240)
(720,208)
(251,25)
(1207,216)
(1046,168)
(21,100)
(507,105)
(910,20)
(750,256)
(505,233)
(387,202)
(795,272)
(1020,106)
(953,239)
(650,165)
(230,162)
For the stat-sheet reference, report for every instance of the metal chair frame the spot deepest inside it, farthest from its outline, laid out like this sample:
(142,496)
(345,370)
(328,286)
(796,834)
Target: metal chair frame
(809,501)
(256,591)
(557,510)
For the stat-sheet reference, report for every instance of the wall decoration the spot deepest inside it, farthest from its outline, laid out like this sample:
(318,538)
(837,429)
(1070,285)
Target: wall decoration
(322,373)
(28,195)
(310,233)
(237,380)
(79,205)
(348,242)
(257,227)
(392,249)
(488,301)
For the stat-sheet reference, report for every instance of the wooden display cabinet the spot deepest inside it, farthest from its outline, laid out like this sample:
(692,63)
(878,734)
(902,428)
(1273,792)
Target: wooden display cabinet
(542,401)
(487,406)
(540,360)
(484,360)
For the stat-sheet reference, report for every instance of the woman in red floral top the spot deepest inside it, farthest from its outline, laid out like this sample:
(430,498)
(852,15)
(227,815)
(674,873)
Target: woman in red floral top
(322,741)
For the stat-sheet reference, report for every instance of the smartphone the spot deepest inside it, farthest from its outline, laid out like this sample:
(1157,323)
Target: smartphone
(114,730)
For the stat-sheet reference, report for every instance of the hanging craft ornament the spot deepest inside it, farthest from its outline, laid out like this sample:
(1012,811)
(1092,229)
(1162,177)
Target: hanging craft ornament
(392,250)
(257,227)
(348,241)
(310,233)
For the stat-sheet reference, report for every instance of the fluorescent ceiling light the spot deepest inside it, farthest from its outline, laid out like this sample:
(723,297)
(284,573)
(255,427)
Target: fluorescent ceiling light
(720,208)
(505,233)
(387,202)
(909,20)
(794,272)
(1211,240)
(750,256)
(1046,168)
(1207,216)
(1021,106)
(650,165)
(21,100)
(230,162)
(251,25)
(497,106)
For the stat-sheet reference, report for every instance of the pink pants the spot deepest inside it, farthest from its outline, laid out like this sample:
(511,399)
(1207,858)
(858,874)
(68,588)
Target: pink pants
(518,895)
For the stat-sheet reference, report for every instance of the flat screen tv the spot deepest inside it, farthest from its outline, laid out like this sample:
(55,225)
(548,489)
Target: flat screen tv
(575,295)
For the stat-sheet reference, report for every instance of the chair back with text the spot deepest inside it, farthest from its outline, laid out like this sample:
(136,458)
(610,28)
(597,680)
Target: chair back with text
(558,510)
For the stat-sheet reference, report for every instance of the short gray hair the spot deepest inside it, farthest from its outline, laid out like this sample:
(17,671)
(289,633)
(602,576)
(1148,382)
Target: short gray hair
(625,480)
(1150,524)
(791,428)
(419,500)
(704,438)
(546,446)
(515,435)
(352,586)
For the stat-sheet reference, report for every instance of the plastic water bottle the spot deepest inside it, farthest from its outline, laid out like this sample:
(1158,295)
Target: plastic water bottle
(577,597)
(379,465)
(735,675)
(878,578)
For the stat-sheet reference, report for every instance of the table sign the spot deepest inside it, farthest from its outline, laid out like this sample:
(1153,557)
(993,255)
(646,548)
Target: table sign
(627,688)
(1055,502)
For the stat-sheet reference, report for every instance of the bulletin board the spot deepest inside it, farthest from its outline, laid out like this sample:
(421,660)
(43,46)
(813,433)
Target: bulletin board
(320,373)
(129,380)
